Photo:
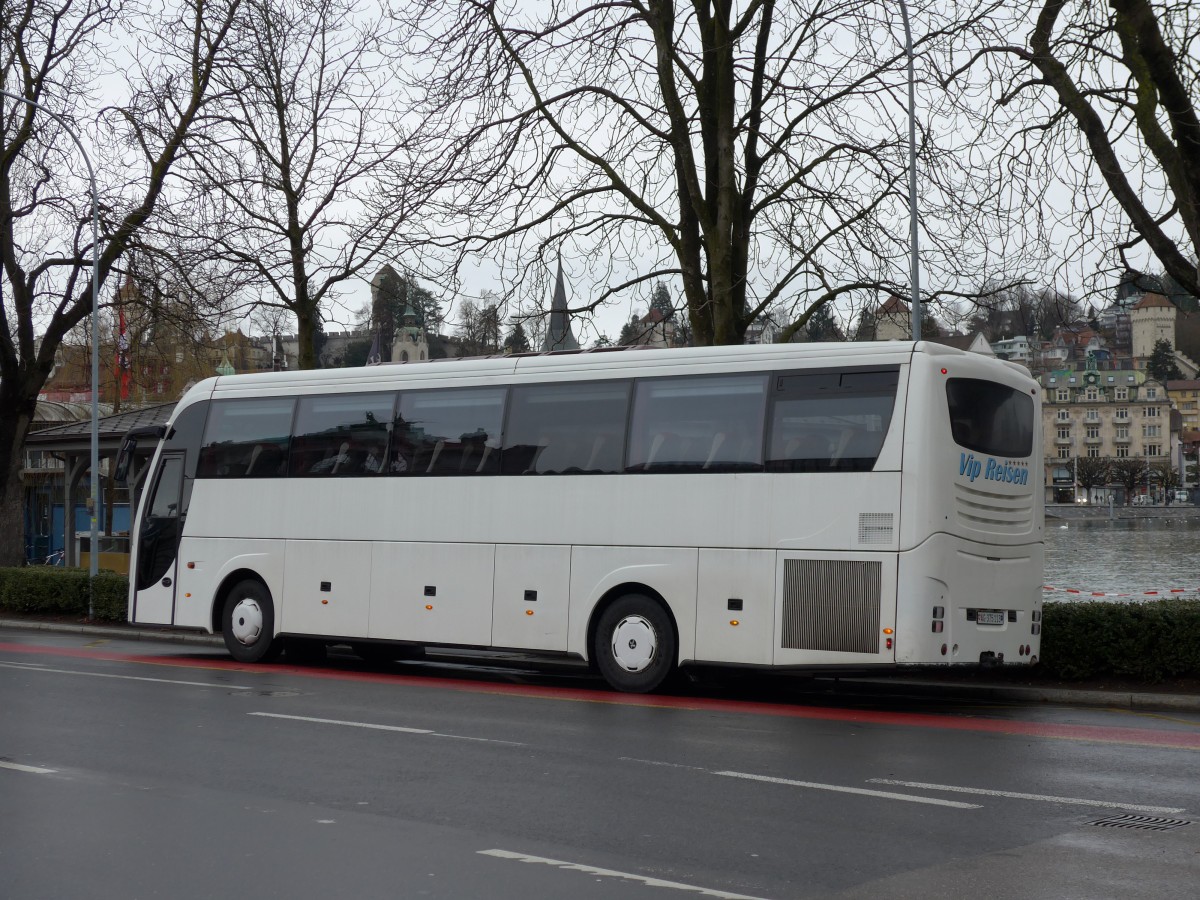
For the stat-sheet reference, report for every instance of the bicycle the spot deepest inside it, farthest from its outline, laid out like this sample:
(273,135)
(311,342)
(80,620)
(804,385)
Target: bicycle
(57,558)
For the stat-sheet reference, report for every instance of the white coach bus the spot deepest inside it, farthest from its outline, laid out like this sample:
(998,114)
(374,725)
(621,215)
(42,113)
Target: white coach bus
(790,506)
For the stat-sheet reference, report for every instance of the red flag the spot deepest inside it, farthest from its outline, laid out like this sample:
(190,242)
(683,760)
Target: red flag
(123,356)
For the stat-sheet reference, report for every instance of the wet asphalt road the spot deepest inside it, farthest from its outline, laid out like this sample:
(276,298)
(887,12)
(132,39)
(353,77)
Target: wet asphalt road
(137,769)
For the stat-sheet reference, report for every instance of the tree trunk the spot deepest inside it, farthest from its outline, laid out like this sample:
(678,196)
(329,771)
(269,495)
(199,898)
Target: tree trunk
(306,332)
(16,413)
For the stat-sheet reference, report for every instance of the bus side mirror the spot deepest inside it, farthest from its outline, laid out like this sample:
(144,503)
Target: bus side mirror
(124,457)
(129,447)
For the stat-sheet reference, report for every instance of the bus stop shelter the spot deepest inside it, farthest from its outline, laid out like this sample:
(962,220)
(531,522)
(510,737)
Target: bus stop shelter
(58,463)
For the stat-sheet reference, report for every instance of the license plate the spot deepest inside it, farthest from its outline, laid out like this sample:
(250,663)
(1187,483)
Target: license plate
(989,617)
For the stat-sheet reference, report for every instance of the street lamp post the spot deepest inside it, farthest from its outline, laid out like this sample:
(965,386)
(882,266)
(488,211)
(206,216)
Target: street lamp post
(1075,473)
(93,502)
(1146,453)
(913,272)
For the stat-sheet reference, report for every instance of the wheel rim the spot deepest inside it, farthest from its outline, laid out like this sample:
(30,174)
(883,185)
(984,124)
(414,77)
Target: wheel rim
(247,622)
(634,643)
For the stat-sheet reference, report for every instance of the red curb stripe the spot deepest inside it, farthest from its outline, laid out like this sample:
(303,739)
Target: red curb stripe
(1173,739)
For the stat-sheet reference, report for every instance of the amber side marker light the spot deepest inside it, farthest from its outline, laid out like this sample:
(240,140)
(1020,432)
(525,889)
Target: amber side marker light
(734,622)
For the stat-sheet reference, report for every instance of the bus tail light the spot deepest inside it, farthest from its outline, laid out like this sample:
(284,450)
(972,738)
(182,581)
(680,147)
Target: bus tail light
(937,627)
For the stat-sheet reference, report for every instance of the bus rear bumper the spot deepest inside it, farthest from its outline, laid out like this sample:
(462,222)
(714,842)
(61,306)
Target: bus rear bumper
(964,603)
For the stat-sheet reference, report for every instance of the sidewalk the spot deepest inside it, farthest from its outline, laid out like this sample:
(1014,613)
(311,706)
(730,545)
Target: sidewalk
(942,684)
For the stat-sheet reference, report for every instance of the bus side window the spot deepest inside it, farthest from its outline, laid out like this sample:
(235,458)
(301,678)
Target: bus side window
(267,461)
(807,447)
(240,432)
(341,435)
(453,431)
(557,429)
(698,423)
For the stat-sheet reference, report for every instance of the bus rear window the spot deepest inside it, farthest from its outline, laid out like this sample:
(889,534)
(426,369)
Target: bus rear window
(990,418)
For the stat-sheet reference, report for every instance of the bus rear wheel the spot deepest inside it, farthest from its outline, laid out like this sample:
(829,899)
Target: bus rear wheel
(634,646)
(248,623)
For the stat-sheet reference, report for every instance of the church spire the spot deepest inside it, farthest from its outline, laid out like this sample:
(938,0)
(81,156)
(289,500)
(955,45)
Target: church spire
(558,334)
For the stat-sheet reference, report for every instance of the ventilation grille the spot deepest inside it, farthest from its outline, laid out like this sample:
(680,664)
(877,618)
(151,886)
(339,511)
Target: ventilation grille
(831,605)
(874,528)
(1142,823)
(993,512)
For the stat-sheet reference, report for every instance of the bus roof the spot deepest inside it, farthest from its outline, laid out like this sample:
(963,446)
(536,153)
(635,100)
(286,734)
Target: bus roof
(587,364)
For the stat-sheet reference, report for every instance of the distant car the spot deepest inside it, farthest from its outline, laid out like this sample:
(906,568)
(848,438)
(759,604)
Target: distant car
(1142,500)
(1181,496)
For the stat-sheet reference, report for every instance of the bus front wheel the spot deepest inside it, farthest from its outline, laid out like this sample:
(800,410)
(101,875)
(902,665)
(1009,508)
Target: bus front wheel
(248,623)
(634,646)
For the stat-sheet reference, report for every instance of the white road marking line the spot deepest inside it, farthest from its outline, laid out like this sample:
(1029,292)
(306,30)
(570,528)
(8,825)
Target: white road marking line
(207,684)
(612,873)
(886,795)
(841,789)
(373,727)
(654,762)
(340,722)
(1107,804)
(33,770)
(463,737)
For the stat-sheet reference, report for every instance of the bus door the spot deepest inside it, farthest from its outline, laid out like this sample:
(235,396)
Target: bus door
(158,544)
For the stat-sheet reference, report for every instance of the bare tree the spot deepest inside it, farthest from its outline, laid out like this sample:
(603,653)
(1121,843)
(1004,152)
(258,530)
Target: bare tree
(1119,81)
(1166,476)
(1001,310)
(755,155)
(1092,472)
(300,172)
(479,328)
(49,56)
(1130,473)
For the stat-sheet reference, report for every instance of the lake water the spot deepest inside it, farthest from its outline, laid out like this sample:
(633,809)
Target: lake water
(1123,556)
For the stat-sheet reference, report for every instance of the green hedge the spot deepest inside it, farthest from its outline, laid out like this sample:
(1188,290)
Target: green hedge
(1146,641)
(51,591)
